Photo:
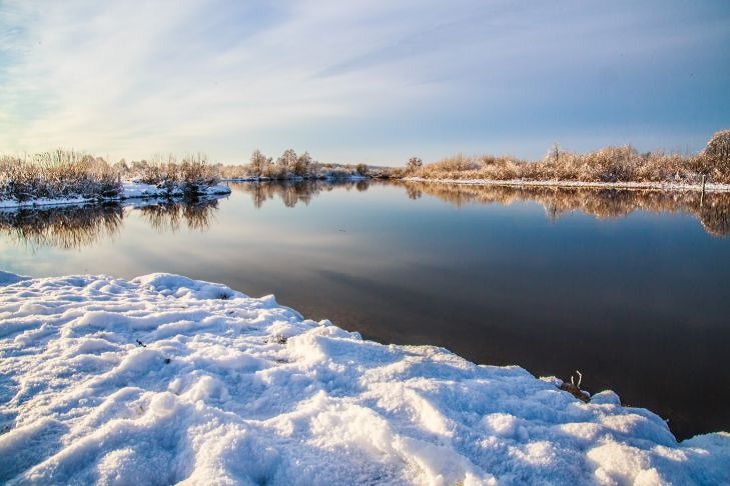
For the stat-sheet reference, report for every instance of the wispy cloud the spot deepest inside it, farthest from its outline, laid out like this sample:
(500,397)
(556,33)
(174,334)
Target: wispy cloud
(358,80)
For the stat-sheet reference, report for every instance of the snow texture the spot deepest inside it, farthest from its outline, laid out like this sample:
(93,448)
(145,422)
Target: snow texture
(164,379)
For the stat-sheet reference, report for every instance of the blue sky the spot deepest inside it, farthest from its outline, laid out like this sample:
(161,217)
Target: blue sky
(361,81)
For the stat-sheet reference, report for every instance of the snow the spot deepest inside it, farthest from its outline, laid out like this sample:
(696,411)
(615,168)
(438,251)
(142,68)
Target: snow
(664,186)
(165,379)
(130,190)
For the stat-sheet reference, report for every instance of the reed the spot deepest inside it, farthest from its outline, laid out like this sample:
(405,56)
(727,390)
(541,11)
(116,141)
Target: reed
(609,164)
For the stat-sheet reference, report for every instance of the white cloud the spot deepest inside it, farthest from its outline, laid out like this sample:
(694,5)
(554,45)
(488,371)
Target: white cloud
(123,78)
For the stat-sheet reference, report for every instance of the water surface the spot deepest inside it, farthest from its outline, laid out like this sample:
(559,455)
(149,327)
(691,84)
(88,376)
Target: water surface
(631,288)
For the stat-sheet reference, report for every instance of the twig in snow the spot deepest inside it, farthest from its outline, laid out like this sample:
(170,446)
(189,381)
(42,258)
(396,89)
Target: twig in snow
(574,388)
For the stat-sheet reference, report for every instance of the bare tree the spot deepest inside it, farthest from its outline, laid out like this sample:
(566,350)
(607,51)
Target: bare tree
(303,164)
(413,164)
(287,161)
(259,162)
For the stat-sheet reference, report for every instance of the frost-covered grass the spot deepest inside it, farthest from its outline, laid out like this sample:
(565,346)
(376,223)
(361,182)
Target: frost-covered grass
(608,165)
(73,177)
(164,379)
(192,175)
(57,175)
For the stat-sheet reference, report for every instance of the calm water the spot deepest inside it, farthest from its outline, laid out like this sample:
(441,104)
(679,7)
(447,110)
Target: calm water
(632,289)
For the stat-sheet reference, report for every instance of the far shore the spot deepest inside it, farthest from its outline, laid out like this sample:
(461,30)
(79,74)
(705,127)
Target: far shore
(655,186)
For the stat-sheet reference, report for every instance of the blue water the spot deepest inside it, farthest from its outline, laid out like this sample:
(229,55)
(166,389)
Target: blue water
(638,301)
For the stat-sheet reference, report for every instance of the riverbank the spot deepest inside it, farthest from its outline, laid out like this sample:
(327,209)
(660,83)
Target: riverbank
(295,178)
(163,378)
(129,190)
(657,186)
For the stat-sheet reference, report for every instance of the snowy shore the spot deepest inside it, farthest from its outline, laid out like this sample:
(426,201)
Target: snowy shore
(130,190)
(662,186)
(163,379)
(298,179)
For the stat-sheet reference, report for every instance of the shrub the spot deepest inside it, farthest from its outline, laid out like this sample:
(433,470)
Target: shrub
(58,174)
(609,164)
(191,176)
(716,156)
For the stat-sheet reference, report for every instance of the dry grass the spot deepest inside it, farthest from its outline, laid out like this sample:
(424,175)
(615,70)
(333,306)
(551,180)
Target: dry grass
(192,174)
(59,174)
(609,164)
(68,174)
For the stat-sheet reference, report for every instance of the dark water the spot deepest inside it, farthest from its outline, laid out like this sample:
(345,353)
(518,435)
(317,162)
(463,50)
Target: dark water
(630,288)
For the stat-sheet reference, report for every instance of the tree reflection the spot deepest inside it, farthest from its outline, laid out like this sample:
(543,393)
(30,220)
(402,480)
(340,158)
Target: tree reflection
(63,227)
(712,209)
(292,193)
(77,227)
(173,215)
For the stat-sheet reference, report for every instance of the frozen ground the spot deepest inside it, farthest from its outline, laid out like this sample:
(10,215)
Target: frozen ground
(664,186)
(130,190)
(164,379)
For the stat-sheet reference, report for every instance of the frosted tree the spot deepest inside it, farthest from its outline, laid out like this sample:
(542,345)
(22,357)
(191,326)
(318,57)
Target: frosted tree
(717,151)
(287,161)
(303,164)
(259,162)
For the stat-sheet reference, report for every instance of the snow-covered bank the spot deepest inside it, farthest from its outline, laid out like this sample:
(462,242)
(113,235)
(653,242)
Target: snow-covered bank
(298,179)
(663,186)
(130,190)
(163,379)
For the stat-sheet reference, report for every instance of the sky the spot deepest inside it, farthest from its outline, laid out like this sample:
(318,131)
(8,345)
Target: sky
(361,81)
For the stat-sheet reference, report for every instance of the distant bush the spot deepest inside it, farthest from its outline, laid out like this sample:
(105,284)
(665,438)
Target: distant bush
(58,174)
(362,169)
(413,164)
(716,156)
(609,164)
(290,165)
(192,175)
(64,174)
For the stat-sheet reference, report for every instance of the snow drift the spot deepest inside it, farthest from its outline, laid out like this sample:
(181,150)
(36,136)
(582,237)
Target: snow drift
(163,379)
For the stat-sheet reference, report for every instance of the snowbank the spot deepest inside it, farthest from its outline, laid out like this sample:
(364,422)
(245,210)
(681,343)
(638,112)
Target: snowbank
(130,190)
(164,379)
(663,186)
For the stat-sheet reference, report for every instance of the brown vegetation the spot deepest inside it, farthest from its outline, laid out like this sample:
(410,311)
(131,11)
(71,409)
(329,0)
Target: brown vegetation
(191,175)
(610,164)
(66,174)
(59,174)
(290,166)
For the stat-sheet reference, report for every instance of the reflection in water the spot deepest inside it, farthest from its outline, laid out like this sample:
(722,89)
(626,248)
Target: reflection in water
(81,226)
(170,215)
(294,192)
(712,209)
(64,227)
(76,227)
(641,308)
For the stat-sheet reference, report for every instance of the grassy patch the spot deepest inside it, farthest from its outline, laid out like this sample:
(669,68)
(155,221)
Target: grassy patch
(64,174)
(58,174)
(609,164)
